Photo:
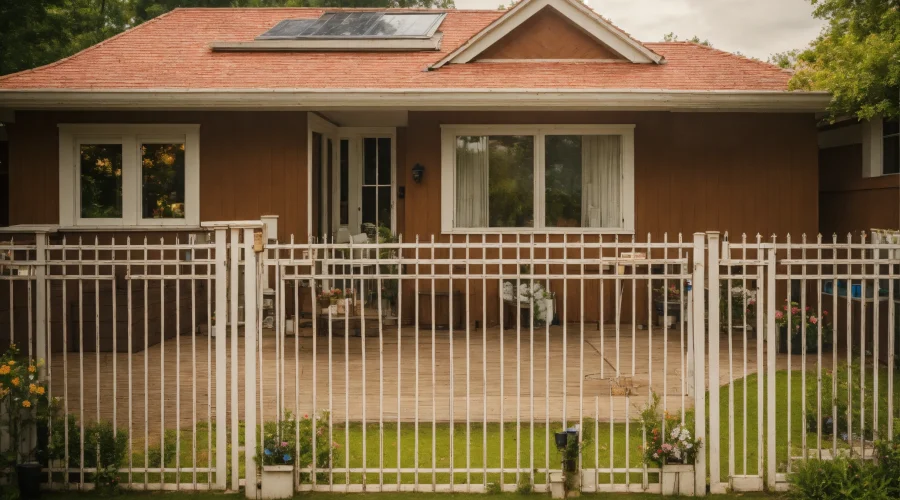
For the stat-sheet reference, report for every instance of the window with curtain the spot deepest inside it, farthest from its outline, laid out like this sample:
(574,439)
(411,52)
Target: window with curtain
(541,179)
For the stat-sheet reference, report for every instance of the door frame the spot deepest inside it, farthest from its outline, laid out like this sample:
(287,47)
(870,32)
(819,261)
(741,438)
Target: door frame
(328,130)
(355,163)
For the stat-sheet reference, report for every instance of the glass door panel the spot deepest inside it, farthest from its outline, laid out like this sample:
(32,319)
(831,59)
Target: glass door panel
(376,206)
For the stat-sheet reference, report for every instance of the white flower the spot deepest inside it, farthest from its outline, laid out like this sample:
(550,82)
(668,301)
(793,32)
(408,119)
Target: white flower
(685,435)
(674,433)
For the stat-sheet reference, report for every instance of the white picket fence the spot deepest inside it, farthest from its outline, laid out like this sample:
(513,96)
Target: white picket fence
(435,375)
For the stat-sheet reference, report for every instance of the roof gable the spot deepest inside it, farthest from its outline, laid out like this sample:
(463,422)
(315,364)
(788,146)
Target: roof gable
(548,35)
(580,20)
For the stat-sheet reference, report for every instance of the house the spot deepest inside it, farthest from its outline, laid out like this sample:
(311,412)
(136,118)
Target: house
(543,120)
(859,188)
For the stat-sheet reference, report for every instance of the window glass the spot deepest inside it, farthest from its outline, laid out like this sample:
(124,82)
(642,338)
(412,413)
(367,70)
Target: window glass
(511,181)
(345,182)
(101,181)
(162,181)
(578,180)
(562,181)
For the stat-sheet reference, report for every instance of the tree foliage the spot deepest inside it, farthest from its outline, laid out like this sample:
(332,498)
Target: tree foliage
(38,32)
(856,58)
(786,59)
(672,37)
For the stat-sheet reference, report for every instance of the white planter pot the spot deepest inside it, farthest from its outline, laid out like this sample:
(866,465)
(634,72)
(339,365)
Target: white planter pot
(677,479)
(277,482)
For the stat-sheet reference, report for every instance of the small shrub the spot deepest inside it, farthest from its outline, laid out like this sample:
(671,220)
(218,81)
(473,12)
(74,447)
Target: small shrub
(839,479)
(888,456)
(494,489)
(525,486)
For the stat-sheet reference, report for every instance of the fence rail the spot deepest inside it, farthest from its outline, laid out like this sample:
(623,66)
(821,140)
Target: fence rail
(450,365)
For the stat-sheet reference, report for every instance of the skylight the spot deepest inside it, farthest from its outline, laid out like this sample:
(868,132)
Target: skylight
(357,25)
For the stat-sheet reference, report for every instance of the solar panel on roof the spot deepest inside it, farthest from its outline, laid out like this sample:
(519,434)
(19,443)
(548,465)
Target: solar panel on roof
(358,25)
(287,29)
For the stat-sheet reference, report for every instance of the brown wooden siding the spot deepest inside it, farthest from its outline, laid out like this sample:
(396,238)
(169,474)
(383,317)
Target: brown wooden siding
(251,163)
(850,203)
(548,35)
(740,173)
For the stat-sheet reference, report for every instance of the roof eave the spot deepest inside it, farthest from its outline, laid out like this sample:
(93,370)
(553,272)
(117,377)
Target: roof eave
(417,99)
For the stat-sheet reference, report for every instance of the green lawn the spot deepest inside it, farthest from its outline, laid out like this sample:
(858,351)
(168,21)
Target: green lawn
(596,445)
(391,496)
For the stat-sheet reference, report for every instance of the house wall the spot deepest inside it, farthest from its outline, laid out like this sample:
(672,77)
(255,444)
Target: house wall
(851,203)
(740,173)
(735,173)
(251,163)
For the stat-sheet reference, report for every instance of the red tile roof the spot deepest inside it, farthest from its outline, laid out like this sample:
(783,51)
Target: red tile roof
(172,52)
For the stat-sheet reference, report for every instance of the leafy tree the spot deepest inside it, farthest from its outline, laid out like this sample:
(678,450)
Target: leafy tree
(786,59)
(856,58)
(672,37)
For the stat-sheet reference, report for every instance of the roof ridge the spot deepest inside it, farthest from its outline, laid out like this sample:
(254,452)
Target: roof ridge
(731,54)
(90,48)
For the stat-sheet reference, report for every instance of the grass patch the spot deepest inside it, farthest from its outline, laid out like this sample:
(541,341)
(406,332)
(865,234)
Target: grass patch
(434,442)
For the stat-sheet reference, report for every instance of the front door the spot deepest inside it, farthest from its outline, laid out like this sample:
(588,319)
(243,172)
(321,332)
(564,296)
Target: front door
(365,190)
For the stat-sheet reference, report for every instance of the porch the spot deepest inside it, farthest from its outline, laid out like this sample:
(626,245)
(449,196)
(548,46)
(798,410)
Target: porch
(175,387)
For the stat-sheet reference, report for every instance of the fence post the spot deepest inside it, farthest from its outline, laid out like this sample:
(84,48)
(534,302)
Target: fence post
(771,346)
(221,316)
(699,327)
(714,333)
(250,332)
(40,273)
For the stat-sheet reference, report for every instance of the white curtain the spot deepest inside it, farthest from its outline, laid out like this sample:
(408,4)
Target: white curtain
(601,163)
(472,181)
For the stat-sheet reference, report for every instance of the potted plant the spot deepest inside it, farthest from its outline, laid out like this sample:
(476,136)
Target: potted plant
(737,304)
(798,318)
(536,304)
(567,484)
(671,446)
(389,286)
(277,464)
(23,398)
(667,304)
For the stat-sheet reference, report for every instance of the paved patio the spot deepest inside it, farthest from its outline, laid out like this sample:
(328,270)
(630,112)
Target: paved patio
(176,372)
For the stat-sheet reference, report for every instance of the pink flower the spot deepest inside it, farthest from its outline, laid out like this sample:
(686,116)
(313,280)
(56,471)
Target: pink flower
(795,310)
(306,415)
(779,315)
(807,308)
(813,320)
(284,444)
(824,313)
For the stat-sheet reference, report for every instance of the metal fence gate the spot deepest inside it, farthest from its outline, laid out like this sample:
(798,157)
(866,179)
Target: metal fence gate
(450,365)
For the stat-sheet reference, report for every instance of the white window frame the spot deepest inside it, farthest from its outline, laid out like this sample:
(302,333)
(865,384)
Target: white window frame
(449,133)
(873,148)
(131,136)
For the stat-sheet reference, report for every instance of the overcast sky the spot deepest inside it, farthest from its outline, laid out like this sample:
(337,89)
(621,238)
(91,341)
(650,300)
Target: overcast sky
(754,27)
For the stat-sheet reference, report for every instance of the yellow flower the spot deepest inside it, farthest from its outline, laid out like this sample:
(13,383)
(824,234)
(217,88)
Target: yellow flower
(31,369)
(40,391)
(12,362)
(4,370)
(26,404)
(15,381)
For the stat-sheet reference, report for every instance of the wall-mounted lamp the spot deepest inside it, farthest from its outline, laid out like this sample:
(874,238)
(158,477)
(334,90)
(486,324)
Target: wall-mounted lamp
(418,171)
